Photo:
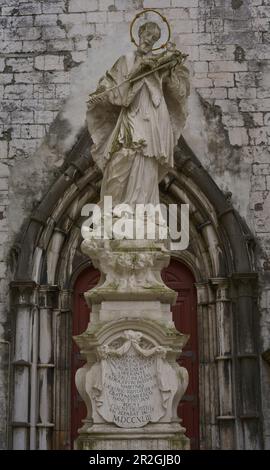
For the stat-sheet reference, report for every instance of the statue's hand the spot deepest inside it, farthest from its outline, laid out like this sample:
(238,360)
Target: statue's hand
(100,89)
(146,64)
(150,62)
(143,67)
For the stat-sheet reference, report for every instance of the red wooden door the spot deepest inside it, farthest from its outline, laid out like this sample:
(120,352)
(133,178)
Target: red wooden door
(178,277)
(86,280)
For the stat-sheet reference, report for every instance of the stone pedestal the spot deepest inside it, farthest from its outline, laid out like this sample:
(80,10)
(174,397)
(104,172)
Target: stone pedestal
(131,383)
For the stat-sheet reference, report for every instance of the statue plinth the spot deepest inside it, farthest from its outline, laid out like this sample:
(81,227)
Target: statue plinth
(131,383)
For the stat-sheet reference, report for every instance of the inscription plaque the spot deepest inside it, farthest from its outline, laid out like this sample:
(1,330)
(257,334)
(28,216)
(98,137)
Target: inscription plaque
(129,387)
(132,389)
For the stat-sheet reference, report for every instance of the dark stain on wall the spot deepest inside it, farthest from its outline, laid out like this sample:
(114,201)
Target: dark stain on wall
(239,54)
(69,63)
(236,4)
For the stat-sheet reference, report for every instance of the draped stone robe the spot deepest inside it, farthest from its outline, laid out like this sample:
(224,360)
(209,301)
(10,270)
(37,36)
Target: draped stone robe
(136,129)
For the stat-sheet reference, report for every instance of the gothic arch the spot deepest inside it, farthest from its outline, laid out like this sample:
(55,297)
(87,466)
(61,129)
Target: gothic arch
(220,256)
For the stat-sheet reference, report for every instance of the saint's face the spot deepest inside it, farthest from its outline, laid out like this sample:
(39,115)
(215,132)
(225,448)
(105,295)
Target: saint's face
(147,39)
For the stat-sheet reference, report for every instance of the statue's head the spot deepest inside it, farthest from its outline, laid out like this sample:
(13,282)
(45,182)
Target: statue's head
(149,33)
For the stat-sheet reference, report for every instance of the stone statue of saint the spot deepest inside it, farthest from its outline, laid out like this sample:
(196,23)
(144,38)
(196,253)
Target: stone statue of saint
(135,119)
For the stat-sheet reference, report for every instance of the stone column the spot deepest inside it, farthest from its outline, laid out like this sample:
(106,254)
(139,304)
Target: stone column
(208,350)
(62,328)
(247,365)
(131,383)
(224,359)
(48,299)
(23,303)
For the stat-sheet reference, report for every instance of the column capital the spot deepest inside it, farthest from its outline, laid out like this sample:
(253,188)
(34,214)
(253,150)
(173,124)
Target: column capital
(23,292)
(221,284)
(48,296)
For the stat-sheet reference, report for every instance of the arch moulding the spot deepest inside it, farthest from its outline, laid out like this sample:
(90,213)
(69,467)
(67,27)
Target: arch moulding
(220,255)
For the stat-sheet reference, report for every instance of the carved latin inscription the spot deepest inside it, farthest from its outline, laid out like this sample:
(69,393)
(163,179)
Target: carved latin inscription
(131,386)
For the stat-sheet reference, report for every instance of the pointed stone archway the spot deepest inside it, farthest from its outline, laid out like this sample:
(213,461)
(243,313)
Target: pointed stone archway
(220,256)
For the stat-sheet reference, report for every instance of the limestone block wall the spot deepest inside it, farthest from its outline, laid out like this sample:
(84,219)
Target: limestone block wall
(52,53)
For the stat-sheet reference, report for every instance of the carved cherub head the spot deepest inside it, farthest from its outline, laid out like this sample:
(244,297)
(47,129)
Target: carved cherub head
(149,33)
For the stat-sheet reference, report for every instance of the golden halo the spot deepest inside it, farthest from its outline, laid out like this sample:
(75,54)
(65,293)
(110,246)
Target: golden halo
(163,19)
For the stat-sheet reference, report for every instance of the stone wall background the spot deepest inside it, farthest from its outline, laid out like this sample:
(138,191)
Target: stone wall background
(52,53)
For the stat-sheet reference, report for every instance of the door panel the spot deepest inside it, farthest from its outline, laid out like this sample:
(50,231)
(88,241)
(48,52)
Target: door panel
(178,277)
(81,316)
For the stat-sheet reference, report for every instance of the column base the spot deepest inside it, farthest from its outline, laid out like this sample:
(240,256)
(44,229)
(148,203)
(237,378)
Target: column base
(151,437)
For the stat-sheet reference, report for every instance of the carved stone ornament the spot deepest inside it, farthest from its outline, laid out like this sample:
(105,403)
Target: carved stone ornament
(133,383)
(129,267)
